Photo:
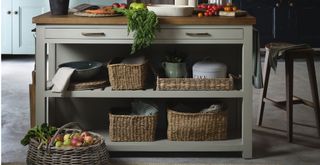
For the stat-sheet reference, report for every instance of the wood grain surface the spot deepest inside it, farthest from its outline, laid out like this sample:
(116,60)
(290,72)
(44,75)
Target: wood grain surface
(71,19)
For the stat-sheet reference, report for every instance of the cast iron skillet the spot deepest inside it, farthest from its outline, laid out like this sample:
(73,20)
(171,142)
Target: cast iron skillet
(84,70)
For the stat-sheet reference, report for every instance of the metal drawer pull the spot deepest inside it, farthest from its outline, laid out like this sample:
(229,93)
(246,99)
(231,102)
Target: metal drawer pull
(198,34)
(93,34)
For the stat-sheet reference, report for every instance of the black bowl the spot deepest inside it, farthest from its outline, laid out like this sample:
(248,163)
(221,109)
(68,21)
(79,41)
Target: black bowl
(84,70)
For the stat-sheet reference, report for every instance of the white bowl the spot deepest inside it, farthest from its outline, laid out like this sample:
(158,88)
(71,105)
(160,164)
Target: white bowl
(171,10)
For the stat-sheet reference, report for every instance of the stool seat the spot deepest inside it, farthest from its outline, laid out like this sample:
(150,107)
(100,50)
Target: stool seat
(289,56)
(300,53)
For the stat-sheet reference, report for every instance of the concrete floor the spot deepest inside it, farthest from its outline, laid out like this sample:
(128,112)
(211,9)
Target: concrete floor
(269,142)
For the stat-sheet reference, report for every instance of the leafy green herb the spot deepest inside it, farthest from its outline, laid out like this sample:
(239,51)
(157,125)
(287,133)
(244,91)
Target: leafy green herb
(41,133)
(175,57)
(143,24)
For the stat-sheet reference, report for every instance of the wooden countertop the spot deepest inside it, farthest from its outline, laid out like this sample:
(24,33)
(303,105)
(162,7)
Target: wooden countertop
(48,19)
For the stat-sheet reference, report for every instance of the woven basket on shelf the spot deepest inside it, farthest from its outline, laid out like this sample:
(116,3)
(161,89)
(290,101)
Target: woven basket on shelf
(127,76)
(197,126)
(188,84)
(132,128)
(87,155)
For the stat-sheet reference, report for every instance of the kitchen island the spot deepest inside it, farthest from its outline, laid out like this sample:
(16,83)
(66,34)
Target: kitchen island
(53,32)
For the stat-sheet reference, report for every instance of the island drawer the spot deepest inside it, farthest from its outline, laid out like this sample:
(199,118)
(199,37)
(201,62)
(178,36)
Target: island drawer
(103,33)
(201,34)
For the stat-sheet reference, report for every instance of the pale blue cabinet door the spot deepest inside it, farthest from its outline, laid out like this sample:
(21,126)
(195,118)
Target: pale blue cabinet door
(6,24)
(23,41)
(16,35)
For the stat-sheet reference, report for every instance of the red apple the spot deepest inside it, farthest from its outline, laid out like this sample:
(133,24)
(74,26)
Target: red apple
(84,134)
(123,6)
(59,138)
(88,139)
(115,5)
(74,142)
(79,144)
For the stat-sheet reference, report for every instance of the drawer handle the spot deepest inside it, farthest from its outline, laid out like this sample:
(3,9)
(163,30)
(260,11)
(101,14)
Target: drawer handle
(198,34)
(93,34)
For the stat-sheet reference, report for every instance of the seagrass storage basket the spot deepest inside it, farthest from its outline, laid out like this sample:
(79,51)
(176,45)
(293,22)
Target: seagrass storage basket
(184,126)
(87,155)
(132,128)
(196,84)
(127,76)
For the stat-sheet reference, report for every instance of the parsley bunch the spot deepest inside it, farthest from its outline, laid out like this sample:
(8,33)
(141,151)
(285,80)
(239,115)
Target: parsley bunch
(143,24)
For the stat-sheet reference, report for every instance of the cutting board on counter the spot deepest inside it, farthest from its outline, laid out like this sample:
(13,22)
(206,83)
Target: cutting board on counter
(237,13)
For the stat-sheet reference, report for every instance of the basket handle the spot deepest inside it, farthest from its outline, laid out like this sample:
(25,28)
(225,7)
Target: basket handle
(68,125)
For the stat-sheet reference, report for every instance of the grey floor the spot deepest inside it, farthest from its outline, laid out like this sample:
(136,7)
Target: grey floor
(269,142)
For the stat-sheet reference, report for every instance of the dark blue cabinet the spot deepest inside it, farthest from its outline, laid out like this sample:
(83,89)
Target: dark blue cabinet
(294,21)
(308,21)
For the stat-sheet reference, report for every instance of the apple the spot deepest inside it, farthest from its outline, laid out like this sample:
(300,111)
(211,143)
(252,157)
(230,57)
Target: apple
(137,6)
(58,144)
(79,144)
(59,138)
(115,5)
(123,6)
(66,137)
(67,142)
(74,142)
(84,134)
(88,139)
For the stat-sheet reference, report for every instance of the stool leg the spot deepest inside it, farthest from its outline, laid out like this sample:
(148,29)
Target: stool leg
(289,94)
(314,90)
(266,74)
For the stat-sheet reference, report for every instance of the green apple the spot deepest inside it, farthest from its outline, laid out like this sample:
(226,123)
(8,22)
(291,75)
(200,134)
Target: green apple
(137,6)
(66,137)
(67,142)
(58,144)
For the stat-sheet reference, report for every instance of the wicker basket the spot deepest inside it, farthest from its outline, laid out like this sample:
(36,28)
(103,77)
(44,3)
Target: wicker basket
(188,84)
(48,155)
(127,76)
(197,126)
(132,128)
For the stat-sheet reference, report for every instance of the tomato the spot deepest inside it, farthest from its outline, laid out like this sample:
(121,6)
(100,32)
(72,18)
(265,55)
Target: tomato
(206,14)
(214,7)
(210,13)
(227,8)
(202,6)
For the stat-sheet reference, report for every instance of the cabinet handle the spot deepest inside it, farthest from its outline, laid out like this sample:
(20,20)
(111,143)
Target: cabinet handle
(291,4)
(93,34)
(15,12)
(277,4)
(8,12)
(198,34)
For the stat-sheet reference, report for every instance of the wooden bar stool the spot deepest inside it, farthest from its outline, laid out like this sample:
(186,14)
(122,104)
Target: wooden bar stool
(289,57)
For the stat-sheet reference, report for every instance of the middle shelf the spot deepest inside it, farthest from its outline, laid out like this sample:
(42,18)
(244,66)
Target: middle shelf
(148,93)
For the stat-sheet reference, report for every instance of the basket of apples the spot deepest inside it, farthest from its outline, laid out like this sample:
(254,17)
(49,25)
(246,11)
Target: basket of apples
(69,146)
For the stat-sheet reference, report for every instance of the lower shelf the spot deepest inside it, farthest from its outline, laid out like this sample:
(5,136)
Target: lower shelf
(174,146)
